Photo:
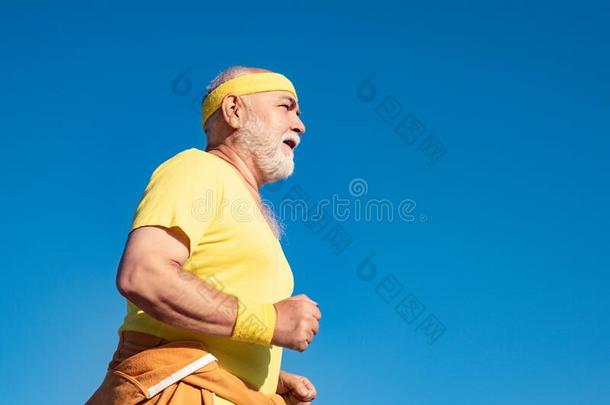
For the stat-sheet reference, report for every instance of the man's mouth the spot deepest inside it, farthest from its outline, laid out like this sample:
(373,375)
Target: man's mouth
(290,143)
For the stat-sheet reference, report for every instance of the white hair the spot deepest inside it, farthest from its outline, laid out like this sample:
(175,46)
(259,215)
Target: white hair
(224,76)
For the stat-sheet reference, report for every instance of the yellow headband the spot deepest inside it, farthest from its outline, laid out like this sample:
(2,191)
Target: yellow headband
(247,84)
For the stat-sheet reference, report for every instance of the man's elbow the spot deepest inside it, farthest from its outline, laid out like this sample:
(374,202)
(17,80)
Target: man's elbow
(129,281)
(123,284)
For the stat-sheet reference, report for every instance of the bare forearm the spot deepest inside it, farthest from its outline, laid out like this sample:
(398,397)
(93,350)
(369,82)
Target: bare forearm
(181,299)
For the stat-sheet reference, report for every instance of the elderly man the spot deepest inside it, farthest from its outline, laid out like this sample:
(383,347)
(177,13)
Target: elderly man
(208,288)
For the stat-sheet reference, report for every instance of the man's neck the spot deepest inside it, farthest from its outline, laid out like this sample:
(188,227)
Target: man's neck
(243,164)
(245,167)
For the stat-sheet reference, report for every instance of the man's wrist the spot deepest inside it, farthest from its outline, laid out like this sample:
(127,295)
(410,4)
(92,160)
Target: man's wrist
(255,322)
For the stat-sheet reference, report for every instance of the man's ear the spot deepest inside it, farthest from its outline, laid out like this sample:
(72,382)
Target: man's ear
(234,111)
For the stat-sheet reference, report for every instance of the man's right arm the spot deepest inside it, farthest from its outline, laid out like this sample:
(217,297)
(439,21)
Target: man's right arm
(151,276)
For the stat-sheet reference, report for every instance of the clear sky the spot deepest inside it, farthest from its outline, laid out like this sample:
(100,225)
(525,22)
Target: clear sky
(485,124)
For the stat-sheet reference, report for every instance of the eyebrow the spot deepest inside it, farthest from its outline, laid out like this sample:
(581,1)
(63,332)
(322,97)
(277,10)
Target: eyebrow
(293,103)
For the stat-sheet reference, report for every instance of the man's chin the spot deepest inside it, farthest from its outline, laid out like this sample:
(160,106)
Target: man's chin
(290,169)
(282,175)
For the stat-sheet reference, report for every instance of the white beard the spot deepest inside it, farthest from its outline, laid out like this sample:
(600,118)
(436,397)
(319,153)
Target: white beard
(257,141)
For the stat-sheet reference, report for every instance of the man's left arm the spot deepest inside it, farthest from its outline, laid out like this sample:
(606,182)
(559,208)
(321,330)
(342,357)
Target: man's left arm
(295,389)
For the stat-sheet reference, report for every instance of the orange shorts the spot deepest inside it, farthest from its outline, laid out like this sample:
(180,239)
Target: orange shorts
(147,369)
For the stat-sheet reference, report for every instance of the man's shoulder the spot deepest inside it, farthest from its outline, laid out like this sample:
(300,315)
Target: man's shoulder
(192,156)
(190,169)
(192,162)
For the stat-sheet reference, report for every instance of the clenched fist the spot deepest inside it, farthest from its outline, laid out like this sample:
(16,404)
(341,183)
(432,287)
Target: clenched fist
(297,322)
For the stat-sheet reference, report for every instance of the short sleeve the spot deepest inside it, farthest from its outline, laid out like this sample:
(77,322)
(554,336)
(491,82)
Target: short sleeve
(182,192)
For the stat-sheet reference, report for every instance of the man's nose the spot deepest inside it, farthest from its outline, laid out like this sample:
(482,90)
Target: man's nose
(298,126)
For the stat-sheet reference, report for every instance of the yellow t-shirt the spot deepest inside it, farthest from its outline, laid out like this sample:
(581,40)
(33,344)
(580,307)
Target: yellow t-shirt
(231,246)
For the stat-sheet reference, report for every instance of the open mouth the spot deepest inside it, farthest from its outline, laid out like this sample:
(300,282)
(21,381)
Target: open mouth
(290,143)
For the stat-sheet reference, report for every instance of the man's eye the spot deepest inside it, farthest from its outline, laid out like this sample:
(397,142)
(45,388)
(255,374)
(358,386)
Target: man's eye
(285,105)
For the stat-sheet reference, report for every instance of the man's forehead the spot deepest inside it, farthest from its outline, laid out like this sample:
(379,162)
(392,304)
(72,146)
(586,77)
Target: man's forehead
(281,95)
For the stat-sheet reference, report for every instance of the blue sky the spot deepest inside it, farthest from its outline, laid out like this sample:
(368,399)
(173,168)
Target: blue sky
(507,249)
